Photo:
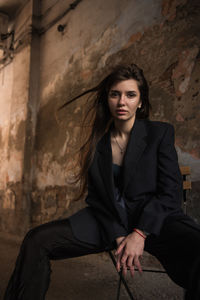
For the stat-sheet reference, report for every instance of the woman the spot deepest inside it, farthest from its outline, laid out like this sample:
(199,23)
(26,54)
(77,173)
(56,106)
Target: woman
(130,167)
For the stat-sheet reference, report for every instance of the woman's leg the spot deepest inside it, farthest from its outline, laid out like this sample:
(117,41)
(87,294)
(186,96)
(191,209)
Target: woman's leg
(178,249)
(54,240)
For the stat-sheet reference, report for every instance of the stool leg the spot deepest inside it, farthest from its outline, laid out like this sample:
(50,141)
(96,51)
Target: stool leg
(121,279)
(119,285)
(126,287)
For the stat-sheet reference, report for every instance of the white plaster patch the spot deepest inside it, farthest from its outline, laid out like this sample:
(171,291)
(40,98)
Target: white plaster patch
(3,170)
(6,81)
(50,88)
(50,173)
(9,199)
(184,68)
(62,151)
(14,166)
(185,159)
(11,168)
(184,85)
(19,116)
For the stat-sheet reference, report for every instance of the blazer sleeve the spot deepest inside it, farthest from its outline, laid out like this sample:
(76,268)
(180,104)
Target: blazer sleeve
(167,200)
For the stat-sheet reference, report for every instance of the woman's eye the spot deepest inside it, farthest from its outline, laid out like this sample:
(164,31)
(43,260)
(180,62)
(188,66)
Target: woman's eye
(131,95)
(114,94)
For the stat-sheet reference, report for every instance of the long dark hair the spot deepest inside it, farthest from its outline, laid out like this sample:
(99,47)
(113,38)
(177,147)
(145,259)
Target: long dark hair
(101,113)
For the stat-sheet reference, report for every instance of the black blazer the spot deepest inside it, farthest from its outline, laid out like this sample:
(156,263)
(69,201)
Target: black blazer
(151,181)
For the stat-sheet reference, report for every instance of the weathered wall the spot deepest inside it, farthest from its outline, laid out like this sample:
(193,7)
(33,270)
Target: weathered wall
(16,123)
(161,36)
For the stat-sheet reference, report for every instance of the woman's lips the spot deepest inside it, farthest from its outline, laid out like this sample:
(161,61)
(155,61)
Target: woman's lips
(121,112)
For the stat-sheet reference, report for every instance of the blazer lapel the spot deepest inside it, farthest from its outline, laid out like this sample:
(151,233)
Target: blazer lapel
(105,164)
(135,148)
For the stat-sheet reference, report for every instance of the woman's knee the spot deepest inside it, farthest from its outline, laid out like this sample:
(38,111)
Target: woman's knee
(35,238)
(45,236)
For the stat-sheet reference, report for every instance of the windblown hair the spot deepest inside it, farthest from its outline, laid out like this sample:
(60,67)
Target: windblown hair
(102,117)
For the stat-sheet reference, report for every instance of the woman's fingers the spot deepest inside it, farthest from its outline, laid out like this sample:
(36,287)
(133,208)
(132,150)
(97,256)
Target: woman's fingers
(124,258)
(120,248)
(124,269)
(137,264)
(132,270)
(127,262)
(130,264)
(123,264)
(118,263)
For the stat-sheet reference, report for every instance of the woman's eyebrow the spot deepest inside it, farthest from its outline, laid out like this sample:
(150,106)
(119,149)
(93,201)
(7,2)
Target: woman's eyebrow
(118,91)
(132,91)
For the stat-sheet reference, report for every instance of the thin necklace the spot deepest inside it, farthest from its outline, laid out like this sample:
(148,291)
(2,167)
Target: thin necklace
(121,149)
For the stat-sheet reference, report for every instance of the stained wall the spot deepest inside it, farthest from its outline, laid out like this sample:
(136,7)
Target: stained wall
(14,99)
(161,36)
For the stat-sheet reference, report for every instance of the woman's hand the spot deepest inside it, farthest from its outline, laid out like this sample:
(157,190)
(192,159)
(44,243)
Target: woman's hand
(128,252)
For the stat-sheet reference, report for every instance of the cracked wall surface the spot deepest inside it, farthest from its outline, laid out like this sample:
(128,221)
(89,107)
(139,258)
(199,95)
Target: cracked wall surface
(161,36)
(14,93)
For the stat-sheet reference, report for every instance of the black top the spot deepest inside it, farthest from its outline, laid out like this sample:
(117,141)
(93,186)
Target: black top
(117,174)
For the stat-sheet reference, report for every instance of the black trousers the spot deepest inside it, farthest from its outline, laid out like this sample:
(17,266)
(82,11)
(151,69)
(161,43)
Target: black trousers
(177,248)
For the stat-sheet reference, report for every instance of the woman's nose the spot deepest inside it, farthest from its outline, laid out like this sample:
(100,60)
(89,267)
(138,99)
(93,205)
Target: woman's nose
(122,100)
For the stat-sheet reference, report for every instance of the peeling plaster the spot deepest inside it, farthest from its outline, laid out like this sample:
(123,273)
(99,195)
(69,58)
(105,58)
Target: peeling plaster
(50,173)
(185,159)
(17,117)
(49,89)
(9,199)
(50,203)
(6,79)
(179,118)
(11,168)
(17,136)
(14,166)
(129,25)
(3,141)
(169,8)
(182,73)
(63,150)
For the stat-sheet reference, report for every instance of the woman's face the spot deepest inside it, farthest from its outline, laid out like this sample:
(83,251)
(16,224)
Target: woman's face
(124,99)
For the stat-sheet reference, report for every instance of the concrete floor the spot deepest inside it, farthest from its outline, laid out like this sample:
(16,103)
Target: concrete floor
(90,278)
